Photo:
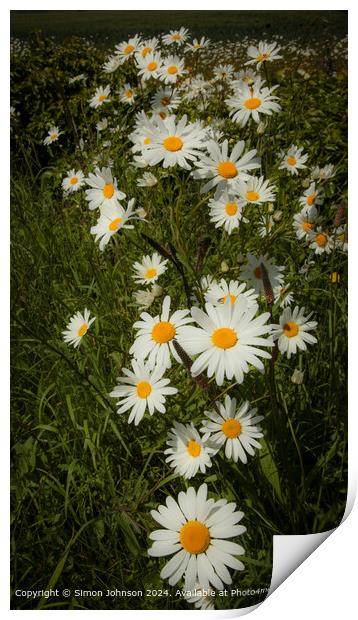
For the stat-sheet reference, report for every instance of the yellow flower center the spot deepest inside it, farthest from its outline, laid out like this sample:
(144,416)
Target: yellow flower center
(196,45)
(143,389)
(258,272)
(176,36)
(150,273)
(193,448)
(163,332)
(128,49)
(195,537)
(291,160)
(262,57)
(291,329)
(253,196)
(82,330)
(102,97)
(152,66)
(231,208)
(172,70)
(74,180)
(227,169)
(128,93)
(114,224)
(310,199)
(145,51)
(306,226)
(231,428)
(224,338)
(229,296)
(321,240)
(108,190)
(54,136)
(252,103)
(173,144)
(146,141)
(165,101)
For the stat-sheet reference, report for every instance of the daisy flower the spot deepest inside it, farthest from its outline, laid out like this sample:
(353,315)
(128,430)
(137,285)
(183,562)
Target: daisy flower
(265,52)
(73,181)
(111,64)
(341,238)
(312,196)
(200,598)
(104,189)
(77,327)
(226,211)
(256,190)
(303,222)
(156,334)
(251,273)
(266,224)
(227,340)
(187,451)
(320,241)
(292,331)
(149,270)
(172,69)
(149,66)
(223,72)
(127,94)
(282,294)
(246,76)
(127,49)
(147,47)
(166,99)
(223,170)
(113,217)
(196,530)
(322,174)
(176,36)
(140,389)
(196,45)
(53,135)
(294,160)
(218,292)
(251,101)
(100,97)
(174,143)
(235,428)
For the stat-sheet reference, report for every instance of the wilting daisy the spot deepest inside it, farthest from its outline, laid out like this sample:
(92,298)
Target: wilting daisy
(196,45)
(251,101)
(187,451)
(218,292)
(235,428)
(251,273)
(200,598)
(112,63)
(77,327)
(292,331)
(196,530)
(156,334)
(176,36)
(312,196)
(73,181)
(341,238)
(166,99)
(142,389)
(174,143)
(172,69)
(227,340)
(53,135)
(113,217)
(303,221)
(256,190)
(322,174)
(294,160)
(265,52)
(144,299)
(226,211)
(223,169)
(149,270)
(320,241)
(127,49)
(149,66)
(104,189)
(100,97)
(147,180)
(127,94)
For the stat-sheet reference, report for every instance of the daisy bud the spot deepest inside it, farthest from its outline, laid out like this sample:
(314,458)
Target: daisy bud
(261,129)
(157,290)
(277,216)
(224,267)
(339,215)
(143,299)
(141,213)
(297,376)
(270,207)
(267,284)
(305,183)
(241,258)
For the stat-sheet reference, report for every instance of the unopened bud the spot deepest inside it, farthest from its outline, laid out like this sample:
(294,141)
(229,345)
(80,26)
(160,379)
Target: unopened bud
(270,207)
(277,216)
(305,183)
(297,376)
(142,213)
(157,290)
(261,129)
(224,267)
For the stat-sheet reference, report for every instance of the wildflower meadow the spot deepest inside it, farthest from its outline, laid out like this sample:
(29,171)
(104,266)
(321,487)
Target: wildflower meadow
(179,312)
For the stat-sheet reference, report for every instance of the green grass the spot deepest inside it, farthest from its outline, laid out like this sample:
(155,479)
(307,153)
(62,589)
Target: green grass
(83,480)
